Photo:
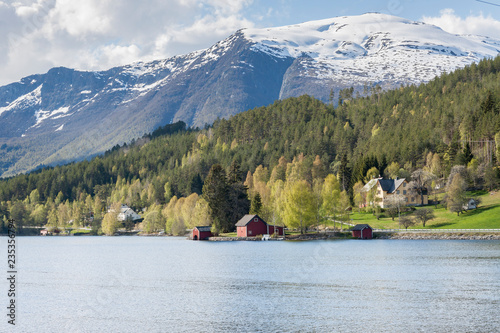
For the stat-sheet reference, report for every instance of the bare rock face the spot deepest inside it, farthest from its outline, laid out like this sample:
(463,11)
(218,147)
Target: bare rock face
(67,115)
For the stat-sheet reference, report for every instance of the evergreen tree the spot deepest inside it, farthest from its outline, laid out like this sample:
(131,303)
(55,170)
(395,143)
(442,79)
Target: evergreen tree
(216,193)
(467,154)
(344,174)
(256,204)
(196,185)
(237,198)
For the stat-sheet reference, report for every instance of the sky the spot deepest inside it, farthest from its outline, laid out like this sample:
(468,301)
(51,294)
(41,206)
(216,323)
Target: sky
(36,35)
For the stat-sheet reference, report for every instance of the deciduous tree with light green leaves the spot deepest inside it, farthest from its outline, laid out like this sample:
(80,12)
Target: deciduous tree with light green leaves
(456,194)
(359,198)
(331,197)
(153,220)
(317,189)
(299,205)
(372,173)
(277,202)
(392,171)
(110,222)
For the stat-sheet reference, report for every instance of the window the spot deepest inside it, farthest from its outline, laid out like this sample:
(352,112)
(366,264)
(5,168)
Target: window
(397,192)
(404,191)
(256,220)
(412,199)
(249,232)
(404,184)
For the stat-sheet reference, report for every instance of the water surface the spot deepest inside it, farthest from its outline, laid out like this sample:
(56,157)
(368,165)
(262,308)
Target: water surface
(139,284)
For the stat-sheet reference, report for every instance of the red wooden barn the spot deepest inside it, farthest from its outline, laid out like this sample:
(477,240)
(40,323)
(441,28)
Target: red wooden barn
(201,233)
(253,225)
(362,231)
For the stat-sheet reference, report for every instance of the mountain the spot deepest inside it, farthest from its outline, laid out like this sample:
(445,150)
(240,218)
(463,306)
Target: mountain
(66,115)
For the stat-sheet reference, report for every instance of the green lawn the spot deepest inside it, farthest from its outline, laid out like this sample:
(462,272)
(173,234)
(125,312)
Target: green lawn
(80,231)
(486,216)
(229,234)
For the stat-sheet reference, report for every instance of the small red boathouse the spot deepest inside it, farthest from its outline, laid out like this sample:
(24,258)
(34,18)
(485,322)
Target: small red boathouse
(362,231)
(253,225)
(201,233)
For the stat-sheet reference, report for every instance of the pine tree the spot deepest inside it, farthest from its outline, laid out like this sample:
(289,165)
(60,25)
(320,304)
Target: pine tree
(216,193)
(467,154)
(256,204)
(237,198)
(344,173)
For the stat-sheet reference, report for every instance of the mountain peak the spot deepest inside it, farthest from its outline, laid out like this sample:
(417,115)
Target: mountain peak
(378,36)
(66,114)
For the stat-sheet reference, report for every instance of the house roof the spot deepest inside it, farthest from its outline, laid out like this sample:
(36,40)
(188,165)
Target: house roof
(126,211)
(370,184)
(247,219)
(204,228)
(387,185)
(360,227)
(391,185)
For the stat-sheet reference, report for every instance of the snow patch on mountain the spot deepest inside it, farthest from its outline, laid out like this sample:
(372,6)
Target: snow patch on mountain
(28,100)
(372,47)
(42,115)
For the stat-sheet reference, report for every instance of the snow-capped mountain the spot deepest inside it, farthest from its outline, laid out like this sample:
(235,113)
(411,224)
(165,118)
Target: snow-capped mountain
(66,114)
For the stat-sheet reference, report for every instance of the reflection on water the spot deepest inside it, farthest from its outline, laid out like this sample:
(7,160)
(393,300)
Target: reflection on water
(136,284)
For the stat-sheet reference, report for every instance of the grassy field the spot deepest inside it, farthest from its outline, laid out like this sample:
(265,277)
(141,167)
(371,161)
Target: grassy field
(486,216)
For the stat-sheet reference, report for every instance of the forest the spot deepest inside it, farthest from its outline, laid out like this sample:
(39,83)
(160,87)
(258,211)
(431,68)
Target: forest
(297,152)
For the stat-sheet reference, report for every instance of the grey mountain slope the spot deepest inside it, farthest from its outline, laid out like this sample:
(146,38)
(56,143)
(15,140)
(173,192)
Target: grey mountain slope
(66,115)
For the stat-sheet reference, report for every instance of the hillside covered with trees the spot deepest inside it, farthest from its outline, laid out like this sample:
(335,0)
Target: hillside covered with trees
(298,152)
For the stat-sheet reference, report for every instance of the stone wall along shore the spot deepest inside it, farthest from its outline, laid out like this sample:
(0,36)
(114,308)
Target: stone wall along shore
(445,236)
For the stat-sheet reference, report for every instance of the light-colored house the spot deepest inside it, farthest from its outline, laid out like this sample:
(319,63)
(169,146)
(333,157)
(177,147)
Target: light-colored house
(385,188)
(470,204)
(127,212)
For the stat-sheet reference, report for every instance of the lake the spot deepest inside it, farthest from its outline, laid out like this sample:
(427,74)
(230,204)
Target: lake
(168,284)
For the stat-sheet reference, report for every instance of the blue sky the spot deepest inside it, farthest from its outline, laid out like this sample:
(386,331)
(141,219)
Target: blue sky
(36,35)
(294,11)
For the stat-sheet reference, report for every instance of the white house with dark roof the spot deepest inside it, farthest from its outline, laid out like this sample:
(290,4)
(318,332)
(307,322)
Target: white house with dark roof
(127,212)
(384,188)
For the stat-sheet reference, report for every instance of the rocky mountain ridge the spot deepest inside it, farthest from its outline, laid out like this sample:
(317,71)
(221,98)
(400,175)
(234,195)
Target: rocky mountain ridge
(67,115)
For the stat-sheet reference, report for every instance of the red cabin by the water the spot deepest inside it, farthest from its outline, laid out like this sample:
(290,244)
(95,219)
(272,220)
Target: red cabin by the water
(253,225)
(362,231)
(201,233)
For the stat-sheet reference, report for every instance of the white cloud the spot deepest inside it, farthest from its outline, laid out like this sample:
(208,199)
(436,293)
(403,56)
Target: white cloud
(473,24)
(98,34)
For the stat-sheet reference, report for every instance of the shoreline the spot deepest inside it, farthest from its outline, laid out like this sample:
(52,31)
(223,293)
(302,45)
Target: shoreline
(402,235)
(440,236)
